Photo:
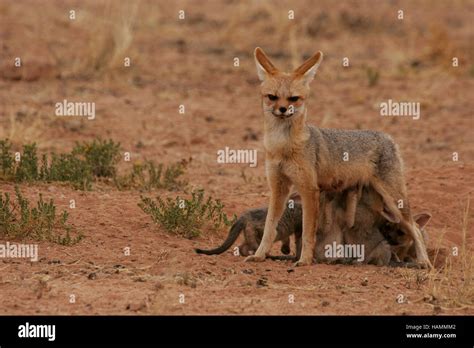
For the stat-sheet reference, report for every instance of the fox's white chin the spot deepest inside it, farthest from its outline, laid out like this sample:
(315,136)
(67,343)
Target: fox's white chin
(282,116)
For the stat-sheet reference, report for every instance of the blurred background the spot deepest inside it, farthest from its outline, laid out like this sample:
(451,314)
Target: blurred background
(191,62)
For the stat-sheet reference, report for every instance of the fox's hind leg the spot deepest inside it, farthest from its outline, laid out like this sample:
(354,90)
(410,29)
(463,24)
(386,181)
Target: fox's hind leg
(421,253)
(393,193)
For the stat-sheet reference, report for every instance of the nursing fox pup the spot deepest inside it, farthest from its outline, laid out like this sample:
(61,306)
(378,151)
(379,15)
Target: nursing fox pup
(328,160)
(252,223)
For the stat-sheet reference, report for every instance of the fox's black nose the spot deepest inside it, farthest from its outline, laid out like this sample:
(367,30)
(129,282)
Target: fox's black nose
(282,109)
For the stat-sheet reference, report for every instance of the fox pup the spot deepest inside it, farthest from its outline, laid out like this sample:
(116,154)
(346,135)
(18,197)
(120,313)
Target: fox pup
(398,239)
(370,228)
(252,223)
(329,160)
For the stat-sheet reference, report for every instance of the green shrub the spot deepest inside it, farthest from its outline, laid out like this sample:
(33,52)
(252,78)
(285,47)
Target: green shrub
(27,169)
(86,162)
(40,223)
(68,168)
(101,155)
(6,158)
(186,217)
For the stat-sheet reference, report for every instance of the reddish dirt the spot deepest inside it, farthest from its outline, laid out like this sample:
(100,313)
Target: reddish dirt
(191,63)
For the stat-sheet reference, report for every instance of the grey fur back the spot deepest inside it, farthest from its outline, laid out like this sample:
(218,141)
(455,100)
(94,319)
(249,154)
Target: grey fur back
(351,158)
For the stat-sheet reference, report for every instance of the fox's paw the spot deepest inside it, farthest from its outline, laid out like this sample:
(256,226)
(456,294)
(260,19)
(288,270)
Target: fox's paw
(425,265)
(303,262)
(255,258)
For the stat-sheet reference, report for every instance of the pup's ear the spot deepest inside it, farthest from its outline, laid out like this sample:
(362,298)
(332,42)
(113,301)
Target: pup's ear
(264,66)
(422,219)
(308,69)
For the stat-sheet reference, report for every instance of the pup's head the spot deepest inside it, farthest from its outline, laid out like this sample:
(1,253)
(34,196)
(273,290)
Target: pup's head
(284,94)
(397,237)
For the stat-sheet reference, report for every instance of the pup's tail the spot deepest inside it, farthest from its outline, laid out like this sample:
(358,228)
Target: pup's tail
(234,233)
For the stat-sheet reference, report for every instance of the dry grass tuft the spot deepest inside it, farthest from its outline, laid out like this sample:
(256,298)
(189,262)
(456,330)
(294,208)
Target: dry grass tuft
(109,37)
(452,286)
(21,127)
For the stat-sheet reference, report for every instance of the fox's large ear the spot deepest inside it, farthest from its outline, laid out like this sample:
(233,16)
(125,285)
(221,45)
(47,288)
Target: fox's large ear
(264,66)
(309,67)
(422,219)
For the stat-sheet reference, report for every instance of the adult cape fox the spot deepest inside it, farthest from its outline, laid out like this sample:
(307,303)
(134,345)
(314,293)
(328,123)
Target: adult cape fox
(331,160)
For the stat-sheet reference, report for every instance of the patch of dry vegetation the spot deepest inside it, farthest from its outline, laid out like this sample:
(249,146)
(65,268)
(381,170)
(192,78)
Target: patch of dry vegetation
(452,286)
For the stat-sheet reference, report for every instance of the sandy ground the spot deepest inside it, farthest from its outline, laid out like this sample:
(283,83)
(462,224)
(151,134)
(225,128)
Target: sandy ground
(190,62)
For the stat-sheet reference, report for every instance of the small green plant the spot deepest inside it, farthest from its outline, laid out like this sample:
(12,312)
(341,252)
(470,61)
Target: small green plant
(27,169)
(149,176)
(67,168)
(86,162)
(372,76)
(40,223)
(6,159)
(186,217)
(101,155)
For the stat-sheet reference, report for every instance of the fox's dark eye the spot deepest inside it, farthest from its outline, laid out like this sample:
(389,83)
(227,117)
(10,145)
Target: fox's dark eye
(293,99)
(272,97)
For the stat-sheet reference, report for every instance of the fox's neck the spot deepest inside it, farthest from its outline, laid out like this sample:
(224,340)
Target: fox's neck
(285,136)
